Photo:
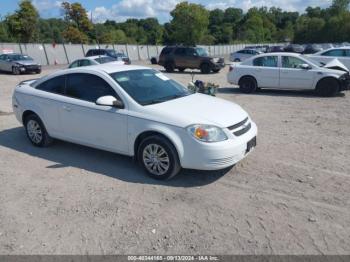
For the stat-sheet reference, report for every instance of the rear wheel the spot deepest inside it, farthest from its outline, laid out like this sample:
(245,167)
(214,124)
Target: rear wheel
(247,85)
(181,69)
(216,70)
(327,87)
(15,70)
(38,71)
(36,131)
(169,67)
(205,68)
(159,157)
(237,60)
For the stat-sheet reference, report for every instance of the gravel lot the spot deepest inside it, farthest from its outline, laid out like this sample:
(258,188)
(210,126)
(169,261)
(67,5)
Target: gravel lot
(290,196)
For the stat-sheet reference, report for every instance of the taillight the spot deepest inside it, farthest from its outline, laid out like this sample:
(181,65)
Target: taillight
(230,68)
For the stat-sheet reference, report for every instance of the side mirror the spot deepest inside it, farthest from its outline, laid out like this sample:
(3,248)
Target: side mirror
(109,101)
(305,66)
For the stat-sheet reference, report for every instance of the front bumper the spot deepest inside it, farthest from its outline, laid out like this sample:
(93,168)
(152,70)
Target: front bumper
(216,156)
(29,68)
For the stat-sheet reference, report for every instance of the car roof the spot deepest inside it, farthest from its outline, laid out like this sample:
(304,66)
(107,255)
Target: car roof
(280,54)
(94,57)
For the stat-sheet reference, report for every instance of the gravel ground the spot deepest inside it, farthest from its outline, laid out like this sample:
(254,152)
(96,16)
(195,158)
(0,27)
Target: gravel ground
(290,196)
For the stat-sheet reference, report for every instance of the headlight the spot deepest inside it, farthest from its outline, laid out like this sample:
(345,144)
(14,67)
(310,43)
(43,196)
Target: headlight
(207,133)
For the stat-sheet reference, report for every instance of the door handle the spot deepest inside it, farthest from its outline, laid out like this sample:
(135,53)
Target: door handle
(67,108)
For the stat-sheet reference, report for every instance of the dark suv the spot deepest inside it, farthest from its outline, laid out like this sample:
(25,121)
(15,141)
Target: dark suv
(180,57)
(109,52)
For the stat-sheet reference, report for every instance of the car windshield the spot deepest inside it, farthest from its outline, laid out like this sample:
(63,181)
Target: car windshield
(202,52)
(147,86)
(104,60)
(20,58)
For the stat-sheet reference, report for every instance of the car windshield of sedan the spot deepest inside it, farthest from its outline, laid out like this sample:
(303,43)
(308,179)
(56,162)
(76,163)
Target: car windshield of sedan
(20,58)
(104,60)
(147,86)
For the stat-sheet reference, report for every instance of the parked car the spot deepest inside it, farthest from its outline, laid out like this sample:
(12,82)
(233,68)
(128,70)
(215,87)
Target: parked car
(135,111)
(18,64)
(243,55)
(275,49)
(181,58)
(109,52)
(312,48)
(294,48)
(289,71)
(95,60)
(325,56)
(260,48)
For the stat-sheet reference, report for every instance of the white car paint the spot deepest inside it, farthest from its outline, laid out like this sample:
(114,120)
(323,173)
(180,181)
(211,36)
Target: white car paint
(116,130)
(244,54)
(325,56)
(284,78)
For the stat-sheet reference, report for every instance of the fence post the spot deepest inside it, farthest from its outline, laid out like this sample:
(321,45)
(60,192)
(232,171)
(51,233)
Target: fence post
(82,47)
(47,58)
(138,52)
(65,51)
(148,52)
(127,51)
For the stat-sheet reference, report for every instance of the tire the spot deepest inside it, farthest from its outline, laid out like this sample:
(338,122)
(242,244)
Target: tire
(237,60)
(15,70)
(205,68)
(149,160)
(169,67)
(247,85)
(38,72)
(36,131)
(154,61)
(216,70)
(327,87)
(181,69)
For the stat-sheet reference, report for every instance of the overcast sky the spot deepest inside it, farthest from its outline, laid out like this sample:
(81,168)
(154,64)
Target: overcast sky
(120,10)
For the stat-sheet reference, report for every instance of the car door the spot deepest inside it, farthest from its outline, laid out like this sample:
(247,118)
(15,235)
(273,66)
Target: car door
(180,57)
(6,64)
(192,58)
(266,71)
(2,61)
(85,122)
(292,76)
(49,100)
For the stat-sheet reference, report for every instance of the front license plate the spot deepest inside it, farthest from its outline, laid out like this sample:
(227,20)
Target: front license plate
(250,145)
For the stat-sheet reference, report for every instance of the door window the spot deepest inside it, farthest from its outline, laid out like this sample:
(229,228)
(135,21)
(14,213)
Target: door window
(88,87)
(180,51)
(334,52)
(292,62)
(74,64)
(84,62)
(266,61)
(54,85)
(347,52)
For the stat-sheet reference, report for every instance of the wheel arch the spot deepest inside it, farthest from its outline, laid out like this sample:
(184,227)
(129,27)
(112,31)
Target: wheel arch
(248,76)
(27,113)
(169,135)
(335,77)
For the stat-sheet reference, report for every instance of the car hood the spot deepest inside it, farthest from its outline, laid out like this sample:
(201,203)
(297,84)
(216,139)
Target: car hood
(335,64)
(26,62)
(196,109)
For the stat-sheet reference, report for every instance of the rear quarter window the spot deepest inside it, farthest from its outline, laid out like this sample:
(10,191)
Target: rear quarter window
(54,85)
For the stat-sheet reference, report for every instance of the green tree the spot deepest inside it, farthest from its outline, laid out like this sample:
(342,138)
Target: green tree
(78,22)
(22,25)
(189,23)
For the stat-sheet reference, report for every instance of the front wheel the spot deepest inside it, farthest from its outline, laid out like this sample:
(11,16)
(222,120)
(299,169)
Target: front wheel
(247,85)
(327,87)
(15,70)
(36,131)
(159,158)
(205,68)
(216,70)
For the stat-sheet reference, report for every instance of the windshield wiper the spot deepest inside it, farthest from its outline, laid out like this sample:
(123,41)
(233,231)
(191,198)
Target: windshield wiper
(163,99)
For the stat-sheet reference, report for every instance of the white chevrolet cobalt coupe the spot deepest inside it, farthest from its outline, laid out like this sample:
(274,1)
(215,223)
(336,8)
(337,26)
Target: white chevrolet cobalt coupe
(289,71)
(135,111)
